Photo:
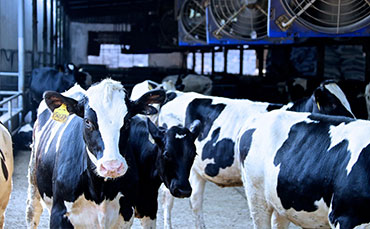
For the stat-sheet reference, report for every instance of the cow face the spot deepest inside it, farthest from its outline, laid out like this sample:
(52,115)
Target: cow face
(105,109)
(176,156)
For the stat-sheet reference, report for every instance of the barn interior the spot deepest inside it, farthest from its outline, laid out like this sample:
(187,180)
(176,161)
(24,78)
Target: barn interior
(262,50)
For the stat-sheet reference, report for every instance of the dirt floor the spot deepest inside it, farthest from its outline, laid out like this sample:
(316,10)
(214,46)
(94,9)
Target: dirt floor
(223,207)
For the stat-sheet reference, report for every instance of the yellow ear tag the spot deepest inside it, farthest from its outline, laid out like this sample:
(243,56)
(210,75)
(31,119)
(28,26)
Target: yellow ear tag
(60,114)
(150,87)
(318,105)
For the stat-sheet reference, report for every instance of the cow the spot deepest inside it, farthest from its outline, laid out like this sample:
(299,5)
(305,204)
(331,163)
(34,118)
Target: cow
(221,120)
(81,165)
(309,169)
(328,98)
(6,160)
(57,79)
(147,85)
(162,156)
(191,83)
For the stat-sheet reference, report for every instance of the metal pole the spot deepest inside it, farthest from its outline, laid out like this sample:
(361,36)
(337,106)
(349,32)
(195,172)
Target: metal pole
(34,33)
(56,30)
(202,63)
(194,61)
(51,32)
(241,59)
(225,59)
(20,50)
(213,62)
(45,33)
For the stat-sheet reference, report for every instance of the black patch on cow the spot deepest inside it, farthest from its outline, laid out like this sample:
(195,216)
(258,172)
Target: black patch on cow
(222,152)
(307,170)
(352,197)
(170,96)
(3,165)
(245,144)
(274,106)
(205,112)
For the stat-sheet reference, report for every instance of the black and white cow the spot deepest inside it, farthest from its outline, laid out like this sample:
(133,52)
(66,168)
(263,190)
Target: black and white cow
(6,170)
(221,120)
(57,79)
(328,98)
(84,169)
(309,169)
(167,161)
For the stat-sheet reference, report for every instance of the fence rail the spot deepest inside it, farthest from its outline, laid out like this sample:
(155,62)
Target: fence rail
(11,106)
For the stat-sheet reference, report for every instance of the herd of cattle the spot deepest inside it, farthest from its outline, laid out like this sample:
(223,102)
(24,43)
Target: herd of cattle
(99,157)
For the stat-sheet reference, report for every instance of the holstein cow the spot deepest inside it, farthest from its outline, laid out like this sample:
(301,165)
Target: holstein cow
(221,120)
(310,169)
(168,161)
(83,167)
(55,79)
(328,98)
(6,160)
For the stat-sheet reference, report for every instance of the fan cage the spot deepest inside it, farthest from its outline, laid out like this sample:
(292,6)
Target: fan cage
(249,24)
(330,16)
(193,21)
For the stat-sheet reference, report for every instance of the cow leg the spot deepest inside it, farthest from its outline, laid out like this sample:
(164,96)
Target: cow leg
(279,221)
(34,208)
(167,203)
(196,199)
(58,218)
(2,217)
(260,210)
(148,223)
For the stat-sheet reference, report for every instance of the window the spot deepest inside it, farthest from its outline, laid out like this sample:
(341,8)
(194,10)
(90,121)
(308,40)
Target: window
(249,62)
(110,55)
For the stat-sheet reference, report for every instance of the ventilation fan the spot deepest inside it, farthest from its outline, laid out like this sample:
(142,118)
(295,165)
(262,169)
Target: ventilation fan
(192,23)
(238,22)
(310,18)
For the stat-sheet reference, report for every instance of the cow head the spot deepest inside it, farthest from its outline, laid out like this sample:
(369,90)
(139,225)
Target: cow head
(330,99)
(105,109)
(176,156)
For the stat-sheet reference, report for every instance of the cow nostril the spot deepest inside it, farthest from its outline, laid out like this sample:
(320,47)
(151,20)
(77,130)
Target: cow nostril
(112,168)
(181,193)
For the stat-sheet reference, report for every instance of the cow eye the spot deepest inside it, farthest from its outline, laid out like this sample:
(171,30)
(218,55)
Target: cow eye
(89,125)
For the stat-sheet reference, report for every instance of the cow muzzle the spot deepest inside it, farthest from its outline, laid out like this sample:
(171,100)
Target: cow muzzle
(180,191)
(112,168)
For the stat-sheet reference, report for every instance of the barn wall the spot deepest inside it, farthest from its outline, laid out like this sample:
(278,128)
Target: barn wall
(167,60)
(9,33)
(79,41)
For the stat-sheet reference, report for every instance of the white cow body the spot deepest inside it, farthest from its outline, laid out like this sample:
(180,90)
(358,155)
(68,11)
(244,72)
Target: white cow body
(322,151)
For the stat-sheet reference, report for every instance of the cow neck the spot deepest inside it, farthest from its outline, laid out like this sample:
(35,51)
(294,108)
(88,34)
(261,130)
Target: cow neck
(144,150)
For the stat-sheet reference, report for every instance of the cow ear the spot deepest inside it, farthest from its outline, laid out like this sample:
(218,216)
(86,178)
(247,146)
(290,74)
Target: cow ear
(155,132)
(141,105)
(54,100)
(195,128)
(320,98)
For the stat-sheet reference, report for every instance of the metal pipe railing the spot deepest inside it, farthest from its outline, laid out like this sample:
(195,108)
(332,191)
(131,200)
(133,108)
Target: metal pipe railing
(9,74)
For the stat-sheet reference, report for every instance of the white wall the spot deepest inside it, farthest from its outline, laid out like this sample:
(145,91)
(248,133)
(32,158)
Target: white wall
(79,40)
(9,32)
